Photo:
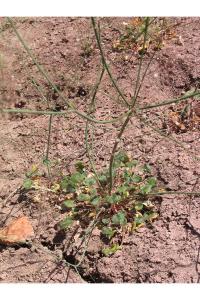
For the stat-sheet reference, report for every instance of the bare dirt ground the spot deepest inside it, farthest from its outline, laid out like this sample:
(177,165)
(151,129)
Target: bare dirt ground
(168,250)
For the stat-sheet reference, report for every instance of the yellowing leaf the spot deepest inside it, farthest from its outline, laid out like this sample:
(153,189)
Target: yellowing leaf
(92,214)
(34,168)
(55,187)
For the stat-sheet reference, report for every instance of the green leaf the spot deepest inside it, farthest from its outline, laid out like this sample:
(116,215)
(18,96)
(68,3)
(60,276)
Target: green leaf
(84,197)
(145,189)
(107,231)
(96,201)
(46,161)
(131,164)
(76,178)
(27,184)
(122,157)
(136,179)
(105,221)
(64,183)
(119,218)
(69,203)
(139,220)
(139,206)
(150,216)
(132,188)
(80,166)
(103,179)
(146,169)
(123,189)
(152,181)
(111,250)
(127,176)
(67,222)
(93,192)
(89,181)
(113,198)
(69,183)
(71,188)
(146,216)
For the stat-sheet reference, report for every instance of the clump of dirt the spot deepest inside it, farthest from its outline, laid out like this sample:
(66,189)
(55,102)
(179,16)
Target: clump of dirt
(168,249)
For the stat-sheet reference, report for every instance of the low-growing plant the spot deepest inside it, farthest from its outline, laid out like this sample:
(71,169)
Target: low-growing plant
(30,178)
(87,48)
(131,37)
(117,199)
(126,208)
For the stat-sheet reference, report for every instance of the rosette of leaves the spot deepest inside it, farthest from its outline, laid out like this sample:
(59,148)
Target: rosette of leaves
(126,207)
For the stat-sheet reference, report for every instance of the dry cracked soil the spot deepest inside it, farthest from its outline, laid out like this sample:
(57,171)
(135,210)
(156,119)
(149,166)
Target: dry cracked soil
(168,250)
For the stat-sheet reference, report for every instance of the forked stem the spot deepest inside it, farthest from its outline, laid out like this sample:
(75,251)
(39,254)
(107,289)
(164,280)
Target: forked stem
(130,113)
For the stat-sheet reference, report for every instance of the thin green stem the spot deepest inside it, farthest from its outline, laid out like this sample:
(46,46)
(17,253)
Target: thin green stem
(46,159)
(136,92)
(70,104)
(105,63)
(118,139)
(40,68)
(168,137)
(143,30)
(48,145)
(39,89)
(87,237)
(168,193)
(145,72)
(46,76)
(88,151)
(167,102)
(64,112)
(96,89)
(128,118)
(91,110)
(45,112)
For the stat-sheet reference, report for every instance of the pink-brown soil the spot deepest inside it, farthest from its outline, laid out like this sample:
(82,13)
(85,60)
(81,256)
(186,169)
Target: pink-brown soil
(168,250)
